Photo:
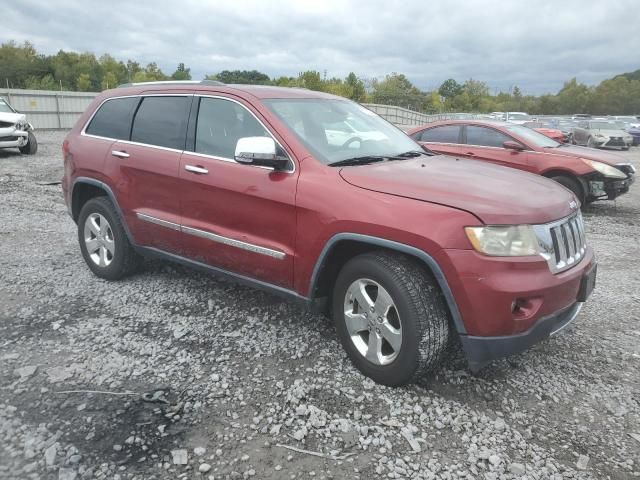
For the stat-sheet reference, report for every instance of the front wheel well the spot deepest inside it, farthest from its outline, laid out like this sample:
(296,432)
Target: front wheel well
(564,173)
(337,257)
(82,193)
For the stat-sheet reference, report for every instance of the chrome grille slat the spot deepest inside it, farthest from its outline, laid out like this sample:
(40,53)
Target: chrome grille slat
(562,243)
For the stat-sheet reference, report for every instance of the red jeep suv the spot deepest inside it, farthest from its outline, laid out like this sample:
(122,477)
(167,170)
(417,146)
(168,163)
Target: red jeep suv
(318,199)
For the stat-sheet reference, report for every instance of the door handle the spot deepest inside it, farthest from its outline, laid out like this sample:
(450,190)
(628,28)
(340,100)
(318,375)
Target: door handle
(119,154)
(196,169)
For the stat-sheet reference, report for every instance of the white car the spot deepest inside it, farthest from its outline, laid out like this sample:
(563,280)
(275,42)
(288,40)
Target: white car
(15,131)
(631,122)
(519,118)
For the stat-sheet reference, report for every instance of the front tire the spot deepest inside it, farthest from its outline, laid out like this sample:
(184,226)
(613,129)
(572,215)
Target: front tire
(31,147)
(103,241)
(391,317)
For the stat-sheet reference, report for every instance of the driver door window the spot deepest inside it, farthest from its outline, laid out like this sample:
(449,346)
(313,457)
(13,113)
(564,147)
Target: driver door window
(220,124)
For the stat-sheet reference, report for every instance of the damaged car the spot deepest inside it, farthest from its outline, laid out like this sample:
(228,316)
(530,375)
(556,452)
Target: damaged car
(601,133)
(15,130)
(589,173)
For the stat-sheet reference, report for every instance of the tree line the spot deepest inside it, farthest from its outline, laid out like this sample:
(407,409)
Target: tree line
(21,66)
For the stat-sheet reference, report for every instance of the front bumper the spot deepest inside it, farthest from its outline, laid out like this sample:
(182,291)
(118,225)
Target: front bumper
(11,137)
(486,290)
(609,188)
(615,142)
(482,350)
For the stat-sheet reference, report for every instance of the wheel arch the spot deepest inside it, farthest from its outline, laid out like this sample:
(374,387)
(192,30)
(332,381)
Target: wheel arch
(343,246)
(84,189)
(559,172)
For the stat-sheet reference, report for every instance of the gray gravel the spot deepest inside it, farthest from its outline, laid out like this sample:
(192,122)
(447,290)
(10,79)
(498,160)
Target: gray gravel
(244,373)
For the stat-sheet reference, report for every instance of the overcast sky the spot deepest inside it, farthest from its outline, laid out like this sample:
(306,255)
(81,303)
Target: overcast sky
(537,44)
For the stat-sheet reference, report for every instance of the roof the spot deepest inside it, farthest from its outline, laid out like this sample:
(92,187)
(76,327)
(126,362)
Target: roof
(256,91)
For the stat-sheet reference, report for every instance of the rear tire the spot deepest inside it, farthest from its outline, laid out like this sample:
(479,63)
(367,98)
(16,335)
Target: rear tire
(31,147)
(415,310)
(573,185)
(103,241)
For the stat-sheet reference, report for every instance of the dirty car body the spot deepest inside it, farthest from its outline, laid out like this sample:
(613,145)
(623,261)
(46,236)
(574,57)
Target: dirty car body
(14,128)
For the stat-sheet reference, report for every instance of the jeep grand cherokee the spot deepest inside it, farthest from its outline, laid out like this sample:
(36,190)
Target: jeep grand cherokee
(316,198)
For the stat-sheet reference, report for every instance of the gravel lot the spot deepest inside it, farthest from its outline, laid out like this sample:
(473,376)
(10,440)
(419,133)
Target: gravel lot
(246,373)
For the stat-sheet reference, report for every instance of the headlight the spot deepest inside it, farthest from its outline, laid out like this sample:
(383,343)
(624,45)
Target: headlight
(606,170)
(504,241)
(599,135)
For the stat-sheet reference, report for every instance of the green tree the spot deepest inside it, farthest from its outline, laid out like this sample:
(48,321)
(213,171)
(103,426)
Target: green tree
(396,89)
(247,77)
(181,73)
(356,90)
(109,80)
(450,88)
(84,82)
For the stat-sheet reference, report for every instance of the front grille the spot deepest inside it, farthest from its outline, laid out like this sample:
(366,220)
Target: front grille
(562,243)
(8,139)
(615,142)
(6,124)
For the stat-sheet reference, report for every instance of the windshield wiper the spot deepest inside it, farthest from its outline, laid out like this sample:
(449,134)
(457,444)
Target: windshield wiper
(364,160)
(412,154)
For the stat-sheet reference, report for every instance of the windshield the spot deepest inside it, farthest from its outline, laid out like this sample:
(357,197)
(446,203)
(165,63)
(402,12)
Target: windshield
(602,126)
(4,107)
(336,130)
(532,137)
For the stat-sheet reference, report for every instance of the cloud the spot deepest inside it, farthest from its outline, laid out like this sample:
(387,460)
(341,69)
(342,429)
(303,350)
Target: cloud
(535,45)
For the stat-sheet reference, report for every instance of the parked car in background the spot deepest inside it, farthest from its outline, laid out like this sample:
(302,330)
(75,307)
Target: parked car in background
(548,129)
(601,133)
(589,173)
(517,117)
(566,126)
(581,116)
(635,133)
(406,250)
(15,130)
(629,121)
(497,115)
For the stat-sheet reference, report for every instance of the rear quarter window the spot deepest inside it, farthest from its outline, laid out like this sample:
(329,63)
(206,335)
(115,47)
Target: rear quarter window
(113,118)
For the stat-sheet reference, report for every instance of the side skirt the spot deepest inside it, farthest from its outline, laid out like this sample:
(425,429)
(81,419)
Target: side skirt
(289,295)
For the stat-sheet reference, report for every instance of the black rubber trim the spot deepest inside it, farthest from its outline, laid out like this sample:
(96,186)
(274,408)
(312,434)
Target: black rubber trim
(112,197)
(242,279)
(400,247)
(482,350)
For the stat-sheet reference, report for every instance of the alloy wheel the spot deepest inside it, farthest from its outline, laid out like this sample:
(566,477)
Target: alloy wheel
(99,240)
(372,321)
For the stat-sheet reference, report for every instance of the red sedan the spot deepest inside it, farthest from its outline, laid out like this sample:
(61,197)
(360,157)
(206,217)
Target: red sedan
(548,130)
(589,173)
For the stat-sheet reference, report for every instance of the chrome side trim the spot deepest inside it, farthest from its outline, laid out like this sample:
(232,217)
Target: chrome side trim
(234,243)
(158,221)
(250,247)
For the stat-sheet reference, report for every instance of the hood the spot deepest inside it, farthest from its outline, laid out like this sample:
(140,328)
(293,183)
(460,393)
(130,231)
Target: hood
(592,154)
(494,194)
(12,117)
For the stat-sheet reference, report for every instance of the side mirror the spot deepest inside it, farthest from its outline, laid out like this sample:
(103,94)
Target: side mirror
(511,145)
(260,151)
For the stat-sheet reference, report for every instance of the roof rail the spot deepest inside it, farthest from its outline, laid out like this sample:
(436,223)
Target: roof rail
(173,82)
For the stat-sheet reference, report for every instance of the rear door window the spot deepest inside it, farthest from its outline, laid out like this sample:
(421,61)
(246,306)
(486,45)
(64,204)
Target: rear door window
(444,134)
(485,137)
(113,118)
(162,121)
